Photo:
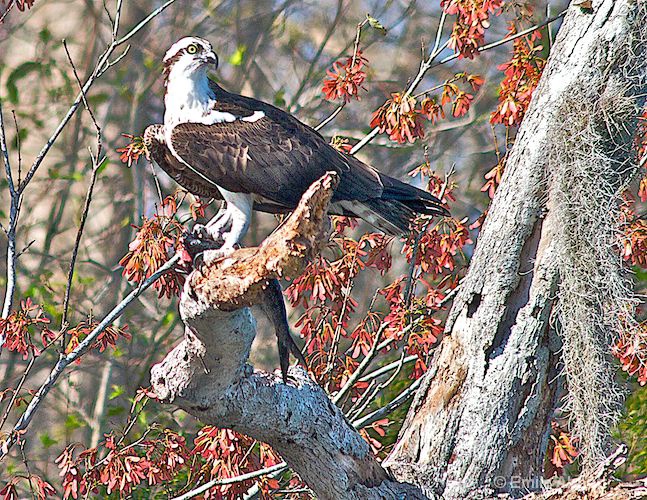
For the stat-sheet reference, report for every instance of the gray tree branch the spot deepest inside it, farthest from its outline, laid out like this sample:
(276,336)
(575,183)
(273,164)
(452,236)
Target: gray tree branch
(208,376)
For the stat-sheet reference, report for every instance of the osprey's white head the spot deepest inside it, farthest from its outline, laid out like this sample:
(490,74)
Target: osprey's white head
(188,95)
(188,56)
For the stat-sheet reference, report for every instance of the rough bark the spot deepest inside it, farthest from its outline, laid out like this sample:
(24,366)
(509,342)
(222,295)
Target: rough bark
(207,374)
(478,424)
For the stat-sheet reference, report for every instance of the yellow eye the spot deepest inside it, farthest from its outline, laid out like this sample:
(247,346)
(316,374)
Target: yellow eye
(192,49)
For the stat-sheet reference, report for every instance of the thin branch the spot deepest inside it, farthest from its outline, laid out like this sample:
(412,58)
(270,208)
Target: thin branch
(83,97)
(392,406)
(77,242)
(11,229)
(24,376)
(429,64)
(387,368)
(96,162)
(439,32)
(370,397)
(5,154)
(331,116)
(82,348)
(16,391)
(236,479)
(6,12)
(18,148)
(144,22)
(336,338)
(115,24)
(362,366)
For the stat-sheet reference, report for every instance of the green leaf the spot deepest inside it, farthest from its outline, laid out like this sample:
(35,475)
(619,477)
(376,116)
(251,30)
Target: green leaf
(113,411)
(73,422)
(641,274)
(47,440)
(18,74)
(142,419)
(150,62)
(103,165)
(45,35)
(168,318)
(117,390)
(279,99)
(375,24)
(236,59)
(97,99)
(84,280)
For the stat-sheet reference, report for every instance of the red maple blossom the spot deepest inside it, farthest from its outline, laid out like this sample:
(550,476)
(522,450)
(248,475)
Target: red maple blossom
(561,449)
(521,76)
(154,244)
(345,79)
(20,327)
(472,19)
(133,150)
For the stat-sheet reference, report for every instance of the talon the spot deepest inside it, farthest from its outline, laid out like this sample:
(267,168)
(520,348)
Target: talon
(195,245)
(201,232)
(210,256)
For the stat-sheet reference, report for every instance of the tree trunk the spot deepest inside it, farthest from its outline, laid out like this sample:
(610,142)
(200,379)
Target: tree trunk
(479,422)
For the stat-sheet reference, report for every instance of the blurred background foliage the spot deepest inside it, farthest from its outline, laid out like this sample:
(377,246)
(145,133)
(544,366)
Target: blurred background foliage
(277,51)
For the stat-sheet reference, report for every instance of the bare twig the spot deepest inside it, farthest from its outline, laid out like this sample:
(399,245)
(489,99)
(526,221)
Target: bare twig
(385,410)
(337,337)
(96,162)
(14,210)
(23,378)
(429,64)
(18,148)
(77,242)
(6,12)
(387,368)
(236,479)
(362,366)
(339,108)
(115,23)
(369,397)
(82,348)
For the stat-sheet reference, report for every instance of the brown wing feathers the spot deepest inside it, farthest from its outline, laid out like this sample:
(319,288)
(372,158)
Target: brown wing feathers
(277,157)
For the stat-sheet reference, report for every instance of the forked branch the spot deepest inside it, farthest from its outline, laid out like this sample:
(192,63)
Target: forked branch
(208,374)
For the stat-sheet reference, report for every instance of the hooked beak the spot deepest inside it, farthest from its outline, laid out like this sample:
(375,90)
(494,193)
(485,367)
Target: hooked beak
(211,58)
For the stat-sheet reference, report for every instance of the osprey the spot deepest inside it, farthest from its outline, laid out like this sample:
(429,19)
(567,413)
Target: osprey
(255,156)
